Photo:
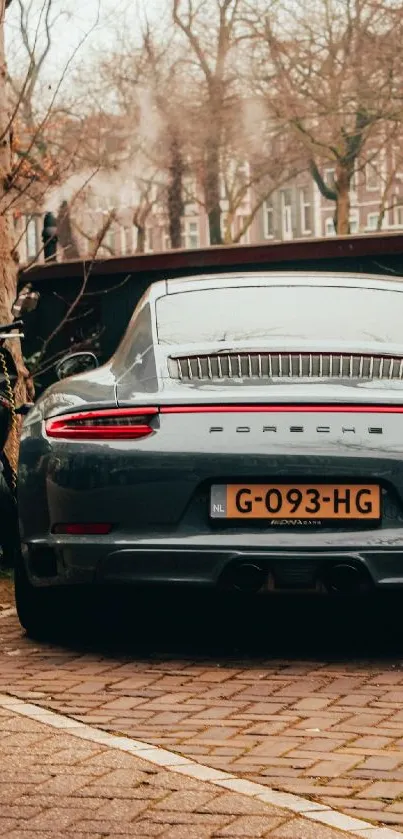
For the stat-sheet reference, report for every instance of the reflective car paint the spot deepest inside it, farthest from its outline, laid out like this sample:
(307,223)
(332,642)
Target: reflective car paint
(155,492)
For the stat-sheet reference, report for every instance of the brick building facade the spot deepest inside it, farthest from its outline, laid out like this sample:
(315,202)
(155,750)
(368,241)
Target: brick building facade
(297,210)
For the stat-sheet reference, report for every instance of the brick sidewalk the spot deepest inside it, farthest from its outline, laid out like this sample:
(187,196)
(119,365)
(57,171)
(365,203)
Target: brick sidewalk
(331,731)
(55,785)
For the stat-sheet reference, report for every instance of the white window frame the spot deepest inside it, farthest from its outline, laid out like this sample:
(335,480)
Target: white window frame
(148,239)
(369,226)
(397,210)
(188,234)
(370,170)
(286,216)
(190,190)
(268,209)
(135,234)
(328,177)
(303,204)
(165,239)
(354,219)
(329,226)
(354,181)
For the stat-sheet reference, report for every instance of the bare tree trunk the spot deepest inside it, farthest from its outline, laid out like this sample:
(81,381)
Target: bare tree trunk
(8,270)
(66,238)
(339,193)
(212,190)
(175,193)
(343,203)
(8,267)
(141,238)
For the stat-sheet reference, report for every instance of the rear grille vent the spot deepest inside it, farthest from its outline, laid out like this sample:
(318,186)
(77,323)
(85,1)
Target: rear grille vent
(284,366)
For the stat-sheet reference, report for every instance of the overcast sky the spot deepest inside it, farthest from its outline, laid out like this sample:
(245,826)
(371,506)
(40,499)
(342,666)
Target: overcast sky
(79,22)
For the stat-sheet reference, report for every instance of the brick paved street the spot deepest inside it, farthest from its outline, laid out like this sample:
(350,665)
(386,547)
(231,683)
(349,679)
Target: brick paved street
(330,730)
(54,785)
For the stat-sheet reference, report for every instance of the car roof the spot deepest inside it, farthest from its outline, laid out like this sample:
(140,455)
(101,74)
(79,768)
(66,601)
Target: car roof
(262,278)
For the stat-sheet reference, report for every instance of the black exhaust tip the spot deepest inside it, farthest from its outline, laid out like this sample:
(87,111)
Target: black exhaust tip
(247,577)
(345,578)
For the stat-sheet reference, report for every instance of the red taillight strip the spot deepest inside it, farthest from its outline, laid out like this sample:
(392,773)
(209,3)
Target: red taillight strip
(65,426)
(83,529)
(331,409)
(108,412)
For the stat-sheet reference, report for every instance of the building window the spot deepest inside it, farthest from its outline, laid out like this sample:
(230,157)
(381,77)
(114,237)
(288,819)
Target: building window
(190,235)
(398,216)
(149,240)
(268,219)
(135,235)
(329,227)
(166,239)
(328,177)
(31,234)
(372,221)
(193,234)
(110,241)
(397,212)
(372,180)
(354,223)
(190,190)
(286,213)
(354,180)
(306,210)
(190,196)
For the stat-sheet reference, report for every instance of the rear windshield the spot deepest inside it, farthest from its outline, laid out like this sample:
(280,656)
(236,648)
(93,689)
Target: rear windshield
(296,312)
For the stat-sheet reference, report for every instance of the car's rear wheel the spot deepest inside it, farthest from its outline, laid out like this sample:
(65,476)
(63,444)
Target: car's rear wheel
(40,610)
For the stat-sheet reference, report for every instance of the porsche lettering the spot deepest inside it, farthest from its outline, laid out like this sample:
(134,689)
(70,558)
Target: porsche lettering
(299,429)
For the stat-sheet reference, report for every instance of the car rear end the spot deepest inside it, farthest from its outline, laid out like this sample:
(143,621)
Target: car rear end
(264,453)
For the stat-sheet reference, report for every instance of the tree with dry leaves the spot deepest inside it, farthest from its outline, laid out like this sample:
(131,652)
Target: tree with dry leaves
(173,150)
(258,158)
(8,268)
(164,72)
(213,32)
(147,80)
(47,128)
(28,164)
(333,72)
(389,173)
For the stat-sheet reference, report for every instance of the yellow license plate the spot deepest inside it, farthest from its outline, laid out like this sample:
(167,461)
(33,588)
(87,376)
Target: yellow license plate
(296,501)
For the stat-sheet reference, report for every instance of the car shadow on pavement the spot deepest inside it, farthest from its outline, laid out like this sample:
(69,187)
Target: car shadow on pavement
(198,626)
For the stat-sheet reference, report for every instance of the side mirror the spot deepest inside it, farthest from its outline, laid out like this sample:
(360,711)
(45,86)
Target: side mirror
(74,363)
(26,301)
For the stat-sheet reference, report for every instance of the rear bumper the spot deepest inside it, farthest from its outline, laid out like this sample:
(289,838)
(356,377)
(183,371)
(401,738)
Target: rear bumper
(92,560)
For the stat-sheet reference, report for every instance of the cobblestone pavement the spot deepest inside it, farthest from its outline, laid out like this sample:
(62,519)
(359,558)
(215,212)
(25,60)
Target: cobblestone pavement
(55,785)
(329,729)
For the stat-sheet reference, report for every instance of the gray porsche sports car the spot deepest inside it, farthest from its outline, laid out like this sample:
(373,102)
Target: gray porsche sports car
(246,435)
